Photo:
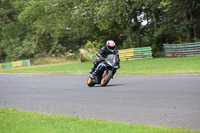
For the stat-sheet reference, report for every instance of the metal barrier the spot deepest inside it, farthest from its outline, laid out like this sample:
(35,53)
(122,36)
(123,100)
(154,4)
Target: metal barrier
(15,64)
(132,53)
(182,50)
(126,54)
(135,53)
(143,52)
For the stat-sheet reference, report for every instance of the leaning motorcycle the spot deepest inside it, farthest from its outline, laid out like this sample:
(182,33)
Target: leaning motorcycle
(104,71)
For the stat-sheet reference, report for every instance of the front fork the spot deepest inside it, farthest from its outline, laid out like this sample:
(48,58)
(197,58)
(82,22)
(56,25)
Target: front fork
(105,72)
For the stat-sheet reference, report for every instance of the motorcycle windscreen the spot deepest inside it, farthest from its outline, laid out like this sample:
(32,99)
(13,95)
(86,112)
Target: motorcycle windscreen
(111,58)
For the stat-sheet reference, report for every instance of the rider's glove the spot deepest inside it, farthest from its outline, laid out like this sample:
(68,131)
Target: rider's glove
(117,67)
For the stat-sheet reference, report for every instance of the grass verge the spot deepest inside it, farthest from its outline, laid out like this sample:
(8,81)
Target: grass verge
(12,120)
(188,65)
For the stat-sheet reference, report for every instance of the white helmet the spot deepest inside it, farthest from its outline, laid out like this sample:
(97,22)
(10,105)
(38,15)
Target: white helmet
(110,45)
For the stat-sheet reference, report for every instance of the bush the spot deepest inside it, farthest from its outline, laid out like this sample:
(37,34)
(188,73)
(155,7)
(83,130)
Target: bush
(89,45)
(94,45)
(48,60)
(85,59)
(74,56)
(159,54)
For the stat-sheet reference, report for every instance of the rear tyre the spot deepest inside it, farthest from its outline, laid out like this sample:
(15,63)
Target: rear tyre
(106,78)
(89,82)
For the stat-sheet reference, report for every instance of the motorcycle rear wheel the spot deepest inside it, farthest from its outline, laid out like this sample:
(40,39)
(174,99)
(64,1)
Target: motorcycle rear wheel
(106,78)
(89,82)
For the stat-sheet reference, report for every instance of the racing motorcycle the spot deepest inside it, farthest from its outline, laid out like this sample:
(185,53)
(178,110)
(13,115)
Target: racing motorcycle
(104,71)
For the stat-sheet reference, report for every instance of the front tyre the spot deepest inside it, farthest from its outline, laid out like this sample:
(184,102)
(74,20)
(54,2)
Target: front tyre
(89,82)
(106,78)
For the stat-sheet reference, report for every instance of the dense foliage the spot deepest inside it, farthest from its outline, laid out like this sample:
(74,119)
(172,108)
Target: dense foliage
(40,28)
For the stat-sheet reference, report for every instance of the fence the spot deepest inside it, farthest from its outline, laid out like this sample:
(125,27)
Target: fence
(182,50)
(133,53)
(15,64)
(143,52)
(126,54)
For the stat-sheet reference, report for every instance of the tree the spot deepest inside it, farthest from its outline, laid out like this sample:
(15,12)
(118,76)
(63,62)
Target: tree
(184,17)
(49,21)
(38,28)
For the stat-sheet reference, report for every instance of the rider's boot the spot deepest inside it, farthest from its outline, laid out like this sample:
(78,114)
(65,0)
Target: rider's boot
(93,68)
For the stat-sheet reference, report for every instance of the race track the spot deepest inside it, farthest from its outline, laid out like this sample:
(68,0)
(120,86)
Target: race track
(169,100)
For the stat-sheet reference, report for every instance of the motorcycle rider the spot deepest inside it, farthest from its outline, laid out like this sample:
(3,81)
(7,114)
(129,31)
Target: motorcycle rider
(109,48)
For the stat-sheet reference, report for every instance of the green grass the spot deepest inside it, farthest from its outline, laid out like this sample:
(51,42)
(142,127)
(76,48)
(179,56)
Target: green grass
(15,121)
(188,65)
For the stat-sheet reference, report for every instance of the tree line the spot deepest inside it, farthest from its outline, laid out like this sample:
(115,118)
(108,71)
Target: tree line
(40,28)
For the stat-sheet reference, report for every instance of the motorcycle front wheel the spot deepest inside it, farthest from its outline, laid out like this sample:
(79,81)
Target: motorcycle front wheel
(106,78)
(89,82)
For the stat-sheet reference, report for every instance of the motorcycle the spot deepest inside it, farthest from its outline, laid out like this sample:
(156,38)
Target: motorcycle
(104,71)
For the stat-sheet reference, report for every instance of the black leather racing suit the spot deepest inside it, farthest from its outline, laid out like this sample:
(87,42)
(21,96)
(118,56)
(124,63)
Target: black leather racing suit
(104,52)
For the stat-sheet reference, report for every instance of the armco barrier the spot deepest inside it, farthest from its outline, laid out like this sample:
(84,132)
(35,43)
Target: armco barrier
(143,52)
(15,64)
(126,54)
(182,50)
(133,53)
(26,63)
(6,65)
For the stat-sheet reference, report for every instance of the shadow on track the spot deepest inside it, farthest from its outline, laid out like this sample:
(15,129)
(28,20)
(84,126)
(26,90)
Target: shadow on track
(98,85)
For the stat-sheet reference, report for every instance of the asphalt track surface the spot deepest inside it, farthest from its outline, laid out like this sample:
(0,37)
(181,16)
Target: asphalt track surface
(169,100)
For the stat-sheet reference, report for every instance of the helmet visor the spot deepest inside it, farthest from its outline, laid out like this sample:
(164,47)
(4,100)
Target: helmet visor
(112,48)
